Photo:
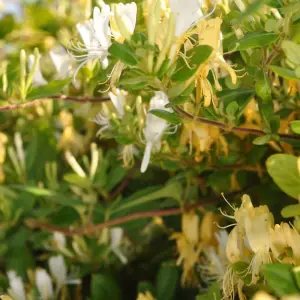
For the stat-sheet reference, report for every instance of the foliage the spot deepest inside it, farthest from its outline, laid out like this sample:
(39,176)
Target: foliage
(131,134)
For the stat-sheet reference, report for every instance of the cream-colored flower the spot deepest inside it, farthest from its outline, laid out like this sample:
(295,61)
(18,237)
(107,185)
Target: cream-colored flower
(3,142)
(145,296)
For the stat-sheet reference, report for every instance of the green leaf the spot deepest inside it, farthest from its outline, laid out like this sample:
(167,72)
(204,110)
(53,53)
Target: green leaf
(35,190)
(263,86)
(198,55)
(284,171)
(7,24)
(65,216)
(232,108)
(166,282)
(251,9)
(292,51)
(124,53)
(241,96)
(171,190)
(48,90)
(77,180)
(256,40)
(104,287)
(280,279)
(168,116)
(295,126)
(283,72)
(262,140)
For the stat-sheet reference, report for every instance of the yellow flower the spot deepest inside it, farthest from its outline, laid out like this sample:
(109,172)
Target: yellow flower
(209,33)
(265,296)
(190,226)
(201,136)
(145,296)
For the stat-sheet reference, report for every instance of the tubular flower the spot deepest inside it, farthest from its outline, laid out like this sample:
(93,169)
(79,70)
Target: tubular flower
(96,36)
(38,78)
(145,296)
(103,118)
(209,33)
(187,14)
(16,286)
(201,136)
(61,61)
(44,284)
(155,127)
(194,238)
(123,21)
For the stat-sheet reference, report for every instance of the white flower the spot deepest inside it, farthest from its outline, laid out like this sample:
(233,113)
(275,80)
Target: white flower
(124,20)
(118,102)
(61,61)
(59,239)
(154,128)
(96,36)
(37,79)
(58,270)
(44,284)
(16,286)
(187,13)
(116,235)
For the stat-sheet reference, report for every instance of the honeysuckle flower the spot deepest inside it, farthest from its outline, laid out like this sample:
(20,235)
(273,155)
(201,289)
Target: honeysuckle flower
(44,284)
(123,21)
(61,61)
(58,270)
(187,14)
(37,79)
(16,286)
(145,296)
(96,36)
(103,118)
(201,136)
(155,127)
(116,235)
(209,33)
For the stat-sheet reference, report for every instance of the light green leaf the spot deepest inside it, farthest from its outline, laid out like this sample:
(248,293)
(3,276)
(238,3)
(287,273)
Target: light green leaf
(168,116)
(295,126)
(283,72)
(77,180)
(263,86)
(256,40)
(292,51)
(284,171)
(261,140)
(124,53)
(52,89)
(280,279)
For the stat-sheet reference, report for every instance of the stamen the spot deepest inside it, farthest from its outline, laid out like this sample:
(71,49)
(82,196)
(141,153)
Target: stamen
(223,196)
(224,227)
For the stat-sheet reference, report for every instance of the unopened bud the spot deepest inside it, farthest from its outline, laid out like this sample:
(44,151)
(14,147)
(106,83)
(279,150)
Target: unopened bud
(190,226)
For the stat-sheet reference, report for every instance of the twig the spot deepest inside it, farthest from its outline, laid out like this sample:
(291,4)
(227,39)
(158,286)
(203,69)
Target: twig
(235,128)
(32,223)
(62,97)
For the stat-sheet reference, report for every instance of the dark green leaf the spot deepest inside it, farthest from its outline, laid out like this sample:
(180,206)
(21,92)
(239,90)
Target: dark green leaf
(166,282)
(104,287)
